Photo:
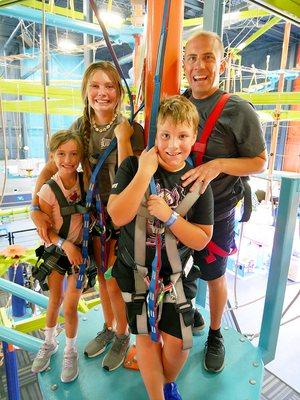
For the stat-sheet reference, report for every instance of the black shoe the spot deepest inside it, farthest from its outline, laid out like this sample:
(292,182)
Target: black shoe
(199,322)
(214,354)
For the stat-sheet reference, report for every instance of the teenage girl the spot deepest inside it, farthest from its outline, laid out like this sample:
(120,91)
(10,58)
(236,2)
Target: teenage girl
(102,95)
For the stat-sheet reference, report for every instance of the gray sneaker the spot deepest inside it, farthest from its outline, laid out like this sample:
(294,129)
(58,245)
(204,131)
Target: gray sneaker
(98,345)
(70,368)
(116,354)
(42,359)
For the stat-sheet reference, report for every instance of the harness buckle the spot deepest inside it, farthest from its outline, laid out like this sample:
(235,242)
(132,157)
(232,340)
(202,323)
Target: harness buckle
(183,308)
(173,292)
(158,228)
(138,297)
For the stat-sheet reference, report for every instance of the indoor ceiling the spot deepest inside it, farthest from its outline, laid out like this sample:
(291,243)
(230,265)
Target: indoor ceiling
(233,34)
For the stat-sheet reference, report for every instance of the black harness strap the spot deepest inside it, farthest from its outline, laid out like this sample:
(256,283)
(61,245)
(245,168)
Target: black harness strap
(66,209)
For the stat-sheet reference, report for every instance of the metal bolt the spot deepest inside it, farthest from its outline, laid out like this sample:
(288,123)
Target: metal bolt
(84,318)
(96,308)
(226,328)
(54,387)
(242,339)
(252,381)
(255,364)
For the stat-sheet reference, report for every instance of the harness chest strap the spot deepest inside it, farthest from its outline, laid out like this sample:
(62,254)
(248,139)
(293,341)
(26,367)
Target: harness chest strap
(66,209)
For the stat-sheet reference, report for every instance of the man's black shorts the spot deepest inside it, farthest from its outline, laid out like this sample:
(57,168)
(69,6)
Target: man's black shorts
(223,236)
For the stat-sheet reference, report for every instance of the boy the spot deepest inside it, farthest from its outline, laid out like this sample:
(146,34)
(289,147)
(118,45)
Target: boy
(160,363)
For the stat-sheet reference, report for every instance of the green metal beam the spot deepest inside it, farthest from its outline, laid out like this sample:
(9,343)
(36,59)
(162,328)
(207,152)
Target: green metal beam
(54,9)
(289,98)
(285,115)
(229,18)
(257,34)
(4,3)
(289,9)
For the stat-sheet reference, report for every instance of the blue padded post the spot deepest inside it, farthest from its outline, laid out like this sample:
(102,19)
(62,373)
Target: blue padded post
(11,369)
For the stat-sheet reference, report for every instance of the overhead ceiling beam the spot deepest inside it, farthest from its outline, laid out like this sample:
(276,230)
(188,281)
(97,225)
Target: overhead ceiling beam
(286,9)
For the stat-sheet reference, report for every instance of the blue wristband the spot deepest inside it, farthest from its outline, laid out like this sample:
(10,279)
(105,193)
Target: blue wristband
(172,218)
(34,207)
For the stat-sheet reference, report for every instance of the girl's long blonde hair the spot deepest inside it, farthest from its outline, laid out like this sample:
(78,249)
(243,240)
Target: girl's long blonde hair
(111,71)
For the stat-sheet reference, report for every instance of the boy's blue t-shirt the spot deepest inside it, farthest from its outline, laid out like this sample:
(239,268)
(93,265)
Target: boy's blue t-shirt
(168,185)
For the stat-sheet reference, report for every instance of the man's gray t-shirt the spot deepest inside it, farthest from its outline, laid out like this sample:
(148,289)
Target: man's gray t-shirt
(237,133)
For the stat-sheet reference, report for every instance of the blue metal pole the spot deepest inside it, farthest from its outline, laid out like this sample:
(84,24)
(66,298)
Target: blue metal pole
(24,293)
(201,293)
(18,305)
(11,368)
(280,261)
(22,340)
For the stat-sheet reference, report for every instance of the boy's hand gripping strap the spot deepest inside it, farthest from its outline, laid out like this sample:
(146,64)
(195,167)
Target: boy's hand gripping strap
(156,264)
(86,216)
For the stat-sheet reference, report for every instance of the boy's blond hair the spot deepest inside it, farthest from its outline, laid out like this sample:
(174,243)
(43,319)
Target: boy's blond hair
(65,136)
(180,110)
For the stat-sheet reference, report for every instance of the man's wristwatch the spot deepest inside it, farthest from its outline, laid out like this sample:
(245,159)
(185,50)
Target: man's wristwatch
(172,218)
(34,207)
(60,243)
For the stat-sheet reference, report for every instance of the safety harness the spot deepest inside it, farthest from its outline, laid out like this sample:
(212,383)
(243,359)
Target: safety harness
(200,148)
(173,292)
(51,254)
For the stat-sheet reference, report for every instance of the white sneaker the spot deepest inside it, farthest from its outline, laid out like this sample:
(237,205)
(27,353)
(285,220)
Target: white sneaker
(42,359)
(70,368)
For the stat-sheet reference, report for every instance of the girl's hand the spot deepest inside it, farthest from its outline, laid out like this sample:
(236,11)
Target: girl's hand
(72,252)
(148,162)
(123,131)
(159,208)
(43,223)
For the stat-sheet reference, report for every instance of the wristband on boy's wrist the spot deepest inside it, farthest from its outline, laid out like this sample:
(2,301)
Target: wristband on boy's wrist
(172,218)
(60,242)
(34,207)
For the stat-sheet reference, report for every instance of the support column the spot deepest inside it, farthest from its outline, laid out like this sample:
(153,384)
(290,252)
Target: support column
(173,58)
(291,159)
(87,39)
(277,111)
(213,16)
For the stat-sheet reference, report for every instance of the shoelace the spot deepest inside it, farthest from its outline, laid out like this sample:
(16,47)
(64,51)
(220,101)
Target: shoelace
(214,343)
(43,350)
(103,335)
(68,360)
(118,344)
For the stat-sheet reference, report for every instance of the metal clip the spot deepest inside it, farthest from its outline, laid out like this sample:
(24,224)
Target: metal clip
(173,293)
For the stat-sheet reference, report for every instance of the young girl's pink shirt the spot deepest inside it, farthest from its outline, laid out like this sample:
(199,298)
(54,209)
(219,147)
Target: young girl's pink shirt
(72,195)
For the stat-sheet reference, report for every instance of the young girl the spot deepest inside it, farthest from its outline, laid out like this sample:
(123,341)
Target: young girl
(102,95)
(62,255)
(160,363)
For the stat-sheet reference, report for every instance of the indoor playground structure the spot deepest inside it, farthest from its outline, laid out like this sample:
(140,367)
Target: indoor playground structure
(45,47)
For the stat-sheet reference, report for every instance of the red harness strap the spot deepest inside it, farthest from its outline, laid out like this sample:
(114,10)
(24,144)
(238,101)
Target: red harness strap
(213,249)
(200,146)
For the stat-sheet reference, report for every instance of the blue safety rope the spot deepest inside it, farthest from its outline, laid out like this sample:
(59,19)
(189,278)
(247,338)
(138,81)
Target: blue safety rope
(113,55)
(156,263)
(100,215)
(92,191)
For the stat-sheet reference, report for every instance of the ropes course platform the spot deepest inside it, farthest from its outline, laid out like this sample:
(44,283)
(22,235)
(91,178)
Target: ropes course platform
(241,378)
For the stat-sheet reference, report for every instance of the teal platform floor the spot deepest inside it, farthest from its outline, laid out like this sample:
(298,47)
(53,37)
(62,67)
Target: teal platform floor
(240,380)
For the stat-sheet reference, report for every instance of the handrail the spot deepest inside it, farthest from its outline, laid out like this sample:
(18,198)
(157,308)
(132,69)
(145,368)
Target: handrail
(22,340)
